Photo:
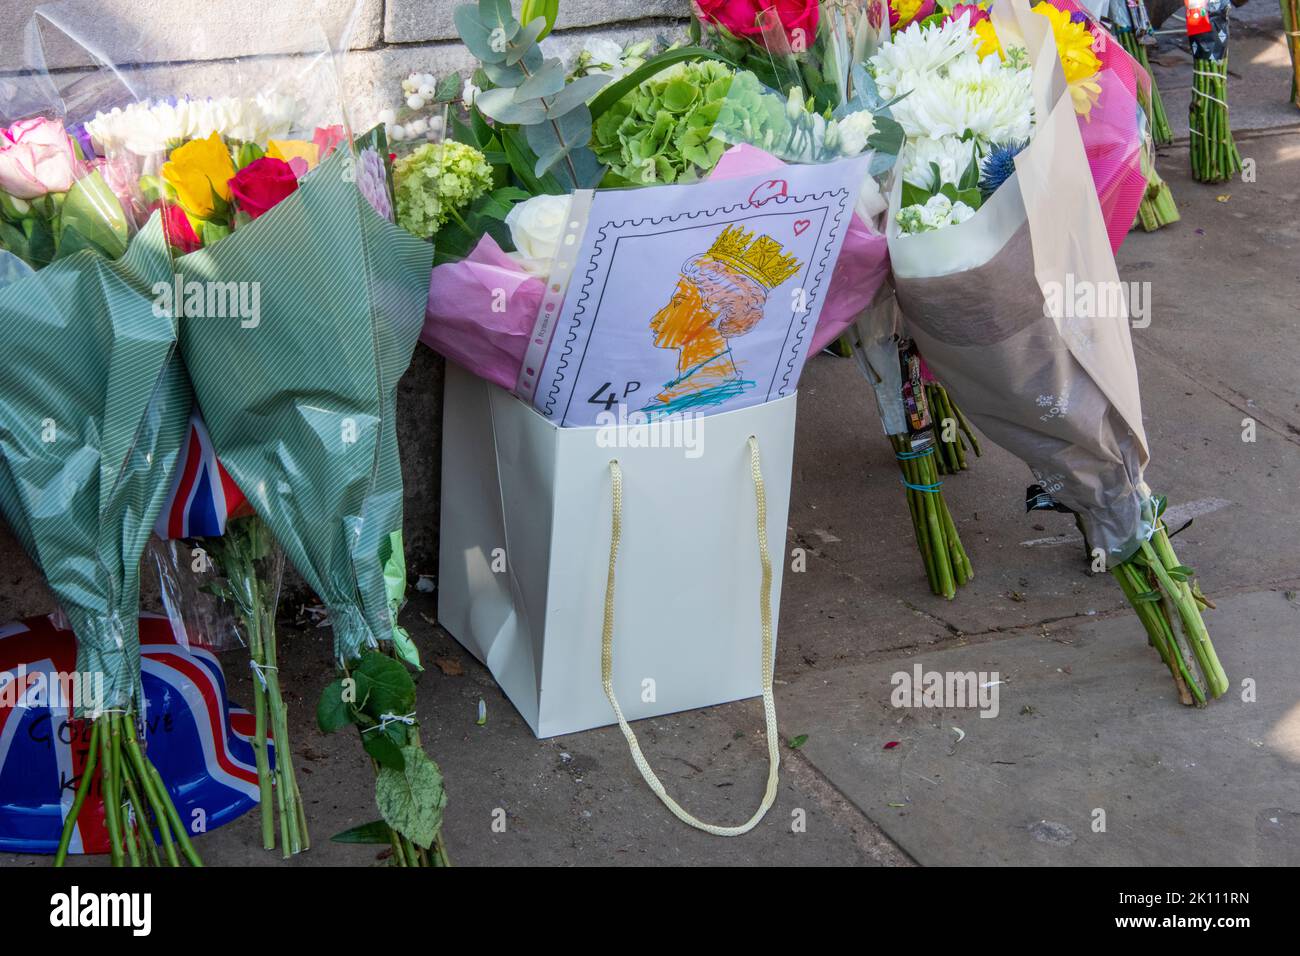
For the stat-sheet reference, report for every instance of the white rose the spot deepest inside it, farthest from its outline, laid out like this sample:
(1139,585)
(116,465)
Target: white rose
(536,227)
(468,92)
(603,51)
(854,131)
(961,212)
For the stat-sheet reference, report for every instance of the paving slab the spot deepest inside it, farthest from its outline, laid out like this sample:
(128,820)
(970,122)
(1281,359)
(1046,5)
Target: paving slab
(1087,720)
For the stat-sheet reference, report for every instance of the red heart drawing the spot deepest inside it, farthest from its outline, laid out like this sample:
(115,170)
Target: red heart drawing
(800,225)
(765,192)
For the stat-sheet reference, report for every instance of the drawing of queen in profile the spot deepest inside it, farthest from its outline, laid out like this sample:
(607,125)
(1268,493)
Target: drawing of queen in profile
(720,295)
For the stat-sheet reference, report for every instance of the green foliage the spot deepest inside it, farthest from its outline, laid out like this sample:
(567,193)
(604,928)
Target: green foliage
(411,799)
(525,90)
(376,831)
(661,131)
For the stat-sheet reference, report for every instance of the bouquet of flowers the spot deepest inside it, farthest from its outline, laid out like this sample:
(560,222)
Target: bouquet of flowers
(1016,303)
(287,266)
(95,409)
(1214,154)
(528,132)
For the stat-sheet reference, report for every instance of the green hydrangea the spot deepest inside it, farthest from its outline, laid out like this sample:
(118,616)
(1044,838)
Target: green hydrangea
(662,132)
(435,182)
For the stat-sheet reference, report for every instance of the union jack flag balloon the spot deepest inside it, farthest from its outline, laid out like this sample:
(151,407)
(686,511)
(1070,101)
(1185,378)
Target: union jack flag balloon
(203,496)
(199,742)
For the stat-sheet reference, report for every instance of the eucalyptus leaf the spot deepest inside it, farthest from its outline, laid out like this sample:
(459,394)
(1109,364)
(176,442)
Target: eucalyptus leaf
(501,105)
(476,36)
(575,95)
(547,81)
(526,39)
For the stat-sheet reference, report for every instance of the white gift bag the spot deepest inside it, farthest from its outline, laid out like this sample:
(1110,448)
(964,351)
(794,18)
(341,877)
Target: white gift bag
(525,554)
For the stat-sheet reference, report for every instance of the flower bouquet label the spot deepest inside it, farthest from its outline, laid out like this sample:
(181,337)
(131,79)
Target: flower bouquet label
(696,298)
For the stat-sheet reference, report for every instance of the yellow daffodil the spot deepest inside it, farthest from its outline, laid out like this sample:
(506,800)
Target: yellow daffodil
(987,40)
(1074,44)
(291,149)
(200,171)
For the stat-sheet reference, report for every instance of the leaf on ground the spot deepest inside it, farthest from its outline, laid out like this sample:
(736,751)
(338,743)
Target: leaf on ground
(449,666)
(797,742)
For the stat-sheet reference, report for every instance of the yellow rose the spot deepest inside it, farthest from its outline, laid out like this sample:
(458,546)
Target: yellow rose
(200,171)
(291,149)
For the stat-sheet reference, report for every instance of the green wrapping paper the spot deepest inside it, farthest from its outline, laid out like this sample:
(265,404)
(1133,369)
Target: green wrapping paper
(301,404)
(93,410)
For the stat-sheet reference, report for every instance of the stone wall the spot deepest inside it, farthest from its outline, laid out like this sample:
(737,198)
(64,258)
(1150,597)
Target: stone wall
(207,42)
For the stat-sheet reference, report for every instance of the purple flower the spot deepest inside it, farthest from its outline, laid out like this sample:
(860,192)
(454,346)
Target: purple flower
(372,180)
(78,133)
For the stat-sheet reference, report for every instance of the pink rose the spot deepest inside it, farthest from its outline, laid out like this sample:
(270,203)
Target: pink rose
(327,139)
(261,184)
(36,157)
(740,17)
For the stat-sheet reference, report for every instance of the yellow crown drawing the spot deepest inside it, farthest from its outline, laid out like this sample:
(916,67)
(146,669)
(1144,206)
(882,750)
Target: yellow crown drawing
(761,258)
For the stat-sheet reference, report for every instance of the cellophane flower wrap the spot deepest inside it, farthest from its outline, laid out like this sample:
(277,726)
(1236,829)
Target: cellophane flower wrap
(94,408)
(94,397)
(299,304)
(1018,308)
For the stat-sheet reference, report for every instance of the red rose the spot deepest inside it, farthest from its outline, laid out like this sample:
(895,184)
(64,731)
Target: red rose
(740,17)
(261,184)
(178,230)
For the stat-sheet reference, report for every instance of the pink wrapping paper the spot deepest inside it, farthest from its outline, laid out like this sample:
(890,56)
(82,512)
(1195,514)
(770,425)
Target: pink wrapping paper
(461,324)
(1112,139)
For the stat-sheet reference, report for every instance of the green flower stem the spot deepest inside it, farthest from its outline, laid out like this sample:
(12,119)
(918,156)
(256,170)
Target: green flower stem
(83,787)
(264,782)
(1189,611)
(1153,105)
(947,566)
(142,821)
(109,743)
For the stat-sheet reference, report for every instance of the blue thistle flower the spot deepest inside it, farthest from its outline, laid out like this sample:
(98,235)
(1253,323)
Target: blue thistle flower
(998,166)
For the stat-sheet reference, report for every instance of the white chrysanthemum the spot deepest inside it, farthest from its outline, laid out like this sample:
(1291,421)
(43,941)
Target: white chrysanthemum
(147,128)
(917,52)
(950,90)
(993,102)
(951,154)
